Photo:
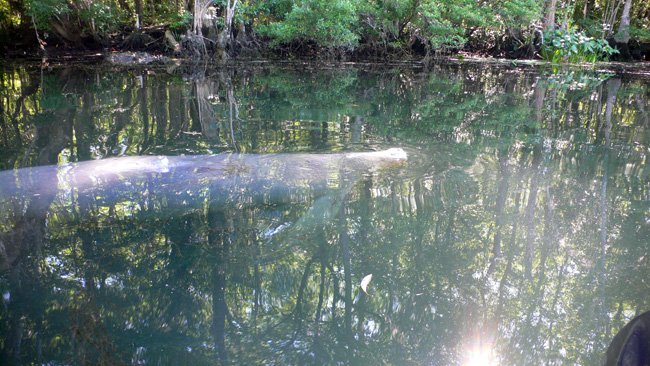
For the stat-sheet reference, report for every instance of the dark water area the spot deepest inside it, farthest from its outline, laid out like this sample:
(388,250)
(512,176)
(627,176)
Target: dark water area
(232,216)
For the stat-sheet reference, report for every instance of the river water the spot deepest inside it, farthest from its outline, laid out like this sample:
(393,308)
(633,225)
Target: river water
(517,232)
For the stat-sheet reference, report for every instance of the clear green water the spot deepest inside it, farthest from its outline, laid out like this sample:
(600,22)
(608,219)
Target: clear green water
(516,233)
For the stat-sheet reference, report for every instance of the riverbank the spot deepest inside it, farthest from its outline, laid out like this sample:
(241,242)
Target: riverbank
(160,41)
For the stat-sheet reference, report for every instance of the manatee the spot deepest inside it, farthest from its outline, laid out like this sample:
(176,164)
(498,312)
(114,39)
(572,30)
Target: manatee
(228,177)
(168,186)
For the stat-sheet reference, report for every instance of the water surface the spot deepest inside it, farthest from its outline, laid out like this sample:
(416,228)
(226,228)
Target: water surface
(516,233)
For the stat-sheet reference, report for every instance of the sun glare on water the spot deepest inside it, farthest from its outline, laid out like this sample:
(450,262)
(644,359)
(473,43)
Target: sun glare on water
(479,357)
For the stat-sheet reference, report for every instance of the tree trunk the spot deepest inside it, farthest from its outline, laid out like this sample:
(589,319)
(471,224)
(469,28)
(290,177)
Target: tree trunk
(172,42)
(124,5)
(224,38)
(139,9)
(623,35)
(588,8)
(549,15)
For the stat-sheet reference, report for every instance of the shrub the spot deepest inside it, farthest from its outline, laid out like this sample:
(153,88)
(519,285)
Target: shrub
(572,46)
(327,23)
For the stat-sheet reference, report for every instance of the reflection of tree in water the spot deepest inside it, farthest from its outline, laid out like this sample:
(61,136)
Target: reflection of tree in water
(207,93)
(510,228)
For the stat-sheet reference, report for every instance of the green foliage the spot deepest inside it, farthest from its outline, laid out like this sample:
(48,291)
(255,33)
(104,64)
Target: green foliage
(96,17)
(571,46)
(5,14)
(640,34)
(392,17)
(392,24)
(516,13)
(446,23)
(99,15)
(181,21)
(590,26)
(328,23)
(42,10)
(269,11)
(439,29)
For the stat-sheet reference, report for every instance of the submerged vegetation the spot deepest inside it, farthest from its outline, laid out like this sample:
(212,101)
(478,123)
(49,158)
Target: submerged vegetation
(573,30)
